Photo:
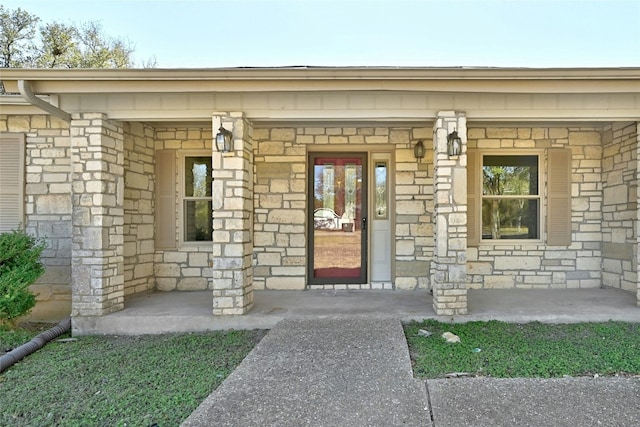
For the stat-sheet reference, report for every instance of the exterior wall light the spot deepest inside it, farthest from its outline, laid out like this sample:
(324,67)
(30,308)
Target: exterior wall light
(418,151)
(223,140)
(454,144)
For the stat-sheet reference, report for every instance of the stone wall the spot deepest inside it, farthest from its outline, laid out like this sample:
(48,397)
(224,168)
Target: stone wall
(619,206)
(534,265)
(139,180)
(280,201)
(48,206)
(188,267)
(414,187)
(604,207)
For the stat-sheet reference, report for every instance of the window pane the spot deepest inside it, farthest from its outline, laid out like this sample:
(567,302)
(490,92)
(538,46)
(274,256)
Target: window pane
(350,184)
(381,190)
(328,190)
(510,175)
(510,219)
(197,177)
(198,222)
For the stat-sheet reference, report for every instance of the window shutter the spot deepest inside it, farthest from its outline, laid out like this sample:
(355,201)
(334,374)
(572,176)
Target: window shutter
(559,197)
(166,199)
(473,198)
(12,158)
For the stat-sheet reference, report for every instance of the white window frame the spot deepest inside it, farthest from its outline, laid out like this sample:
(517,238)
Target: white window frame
(182,156)
(541,196)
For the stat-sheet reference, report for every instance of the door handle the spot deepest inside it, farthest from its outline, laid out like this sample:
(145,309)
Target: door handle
(364,223)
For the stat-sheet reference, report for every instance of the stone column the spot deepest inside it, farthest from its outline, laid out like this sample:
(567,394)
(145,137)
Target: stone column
(233,218)
(97,175)
(449,267)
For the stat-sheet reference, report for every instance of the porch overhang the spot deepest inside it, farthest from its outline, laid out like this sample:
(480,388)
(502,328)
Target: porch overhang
(348,94)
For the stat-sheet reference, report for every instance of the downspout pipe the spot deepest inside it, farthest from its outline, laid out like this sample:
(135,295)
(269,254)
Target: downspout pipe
(39,341)
(25,90)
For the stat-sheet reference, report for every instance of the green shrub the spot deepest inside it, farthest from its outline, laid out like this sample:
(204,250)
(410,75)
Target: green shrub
(20,266)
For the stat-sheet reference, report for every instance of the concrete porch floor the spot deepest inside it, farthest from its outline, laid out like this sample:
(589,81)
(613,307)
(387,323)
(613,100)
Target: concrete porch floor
(165,312)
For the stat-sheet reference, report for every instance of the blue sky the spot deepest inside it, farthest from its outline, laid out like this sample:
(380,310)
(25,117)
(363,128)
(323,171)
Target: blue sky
(503,33)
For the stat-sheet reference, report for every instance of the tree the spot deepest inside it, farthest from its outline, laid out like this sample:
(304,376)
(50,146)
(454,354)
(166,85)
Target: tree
(16,39)
(59,45)
(66,46)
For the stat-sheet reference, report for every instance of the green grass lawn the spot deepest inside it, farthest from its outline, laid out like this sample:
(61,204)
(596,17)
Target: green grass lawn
(139,381)
(117,381)
(507,350)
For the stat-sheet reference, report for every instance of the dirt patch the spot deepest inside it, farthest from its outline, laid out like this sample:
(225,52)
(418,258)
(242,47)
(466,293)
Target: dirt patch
(36,327)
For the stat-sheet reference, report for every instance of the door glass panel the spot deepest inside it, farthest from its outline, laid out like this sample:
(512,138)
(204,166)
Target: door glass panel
(337,219)
(380,177)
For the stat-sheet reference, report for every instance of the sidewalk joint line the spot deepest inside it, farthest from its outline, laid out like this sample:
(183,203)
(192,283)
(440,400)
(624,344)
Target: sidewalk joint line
(428,400)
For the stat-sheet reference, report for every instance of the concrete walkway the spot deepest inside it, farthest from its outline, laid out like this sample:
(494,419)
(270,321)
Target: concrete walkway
(562,402)
(354,371)
(326,372)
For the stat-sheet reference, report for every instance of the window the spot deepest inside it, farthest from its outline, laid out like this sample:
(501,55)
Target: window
(183,196)
(510,197)
(197,220)
(506,199)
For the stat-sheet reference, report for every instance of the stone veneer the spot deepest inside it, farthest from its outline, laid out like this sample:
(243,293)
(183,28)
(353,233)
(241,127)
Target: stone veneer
(139,191)
(497,265)
(97,200)
(48,204)
(187,267)
(620,206)
(449,267)
(233,217)
(604,207)
(280,201)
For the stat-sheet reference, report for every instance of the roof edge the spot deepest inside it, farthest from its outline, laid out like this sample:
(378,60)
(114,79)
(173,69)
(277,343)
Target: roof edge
(322,73)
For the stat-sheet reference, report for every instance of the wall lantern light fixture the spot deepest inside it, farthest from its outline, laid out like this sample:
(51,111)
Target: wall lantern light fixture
(418,150)
(223,140)
(454,144)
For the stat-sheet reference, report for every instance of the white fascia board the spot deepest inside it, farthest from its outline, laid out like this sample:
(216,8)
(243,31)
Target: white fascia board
(498,80)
